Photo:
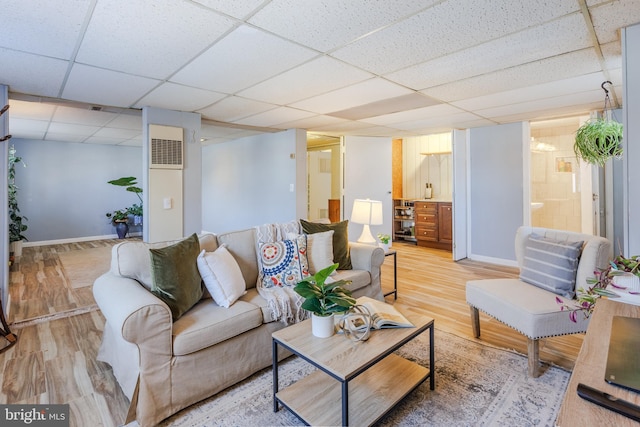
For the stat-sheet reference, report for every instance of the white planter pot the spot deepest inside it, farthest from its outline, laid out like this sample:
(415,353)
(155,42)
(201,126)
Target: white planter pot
(629,281)
(16,248)
(322,326)
(385,246)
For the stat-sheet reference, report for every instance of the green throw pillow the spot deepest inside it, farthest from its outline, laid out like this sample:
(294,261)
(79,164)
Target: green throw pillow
(176,279)
(340,240)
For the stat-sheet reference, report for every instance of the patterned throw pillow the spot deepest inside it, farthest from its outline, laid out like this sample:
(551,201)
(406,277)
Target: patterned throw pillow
(551,264)
(284,263)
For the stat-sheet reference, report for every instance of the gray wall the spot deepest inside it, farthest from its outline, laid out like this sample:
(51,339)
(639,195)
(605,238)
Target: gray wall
(64,191)
(247,182)
(631,141)
(496,190)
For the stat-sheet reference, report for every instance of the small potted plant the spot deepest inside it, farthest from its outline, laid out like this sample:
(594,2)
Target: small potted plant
(120,218)
(598,140)
(323,300)
(620,268)
(384,241)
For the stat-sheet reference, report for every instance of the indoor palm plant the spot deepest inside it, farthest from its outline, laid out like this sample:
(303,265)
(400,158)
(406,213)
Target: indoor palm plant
(324,299)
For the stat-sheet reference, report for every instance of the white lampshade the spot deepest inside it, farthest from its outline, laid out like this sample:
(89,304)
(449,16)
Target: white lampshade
(367,212)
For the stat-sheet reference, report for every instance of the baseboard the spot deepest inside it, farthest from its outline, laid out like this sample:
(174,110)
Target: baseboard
(492,260)
(77,239)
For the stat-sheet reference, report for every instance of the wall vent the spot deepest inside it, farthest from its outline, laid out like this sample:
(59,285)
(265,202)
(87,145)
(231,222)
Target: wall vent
(166,148)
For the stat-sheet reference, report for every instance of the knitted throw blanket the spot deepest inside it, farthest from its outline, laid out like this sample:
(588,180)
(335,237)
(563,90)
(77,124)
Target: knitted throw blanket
(284,302)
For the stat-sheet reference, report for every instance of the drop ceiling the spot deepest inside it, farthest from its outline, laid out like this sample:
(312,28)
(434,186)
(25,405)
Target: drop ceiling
(82,70)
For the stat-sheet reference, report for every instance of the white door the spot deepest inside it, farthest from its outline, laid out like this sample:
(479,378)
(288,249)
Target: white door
(367,175)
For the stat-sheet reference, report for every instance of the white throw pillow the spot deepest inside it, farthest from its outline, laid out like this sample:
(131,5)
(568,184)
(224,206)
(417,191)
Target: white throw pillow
(319,250)
(222,276)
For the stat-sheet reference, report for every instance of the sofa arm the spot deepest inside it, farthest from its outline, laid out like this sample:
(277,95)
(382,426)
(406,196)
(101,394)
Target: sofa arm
(368,258)
(134,313)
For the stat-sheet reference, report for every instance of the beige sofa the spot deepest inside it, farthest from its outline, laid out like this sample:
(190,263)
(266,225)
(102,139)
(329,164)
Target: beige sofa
(164,366)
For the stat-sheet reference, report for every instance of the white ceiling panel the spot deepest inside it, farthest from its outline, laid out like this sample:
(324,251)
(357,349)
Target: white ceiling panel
(441,110)
(318,76)
(312,122)
(366,92)
(550,39)
(31,110)
(44,27)
(428,122)
(158,39)
(446,28)
(32,74)
(327,24)
(103,87)
(234,108)
(72,129)
(173,96)
(82,117)
(29,129)
(66,137)
(276,116)
(118,133)
(104,140)
(245,57)
(237,8)
(578,84)
(558,67)
(127,121)
(608,18)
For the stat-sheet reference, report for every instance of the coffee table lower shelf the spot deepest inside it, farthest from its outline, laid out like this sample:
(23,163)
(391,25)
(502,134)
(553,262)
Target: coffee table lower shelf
(317,398)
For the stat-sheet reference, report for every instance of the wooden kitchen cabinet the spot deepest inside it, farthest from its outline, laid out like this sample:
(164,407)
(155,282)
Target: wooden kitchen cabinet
(433,224)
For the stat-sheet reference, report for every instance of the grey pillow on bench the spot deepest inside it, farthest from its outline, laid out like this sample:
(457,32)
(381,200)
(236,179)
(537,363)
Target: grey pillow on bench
(551,264)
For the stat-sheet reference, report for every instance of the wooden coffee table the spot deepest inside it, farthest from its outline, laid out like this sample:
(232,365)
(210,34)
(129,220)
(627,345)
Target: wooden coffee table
(356,382)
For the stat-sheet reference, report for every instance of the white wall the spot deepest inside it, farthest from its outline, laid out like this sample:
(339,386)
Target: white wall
(419,169)
(247,182)
(631,156)
(63,191)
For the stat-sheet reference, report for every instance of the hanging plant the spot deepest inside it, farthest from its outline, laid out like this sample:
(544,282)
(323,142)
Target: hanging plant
(599,139)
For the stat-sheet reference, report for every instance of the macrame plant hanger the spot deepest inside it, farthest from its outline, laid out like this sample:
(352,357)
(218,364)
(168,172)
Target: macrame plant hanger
(5,331)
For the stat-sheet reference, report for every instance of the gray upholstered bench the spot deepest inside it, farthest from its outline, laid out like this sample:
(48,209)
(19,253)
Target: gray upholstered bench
(530,309)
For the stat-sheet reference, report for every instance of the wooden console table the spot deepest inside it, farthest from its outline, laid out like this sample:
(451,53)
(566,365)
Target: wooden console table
(590,368)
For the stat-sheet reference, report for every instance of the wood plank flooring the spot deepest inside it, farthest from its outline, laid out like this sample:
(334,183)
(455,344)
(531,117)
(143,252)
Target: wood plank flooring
(54,360)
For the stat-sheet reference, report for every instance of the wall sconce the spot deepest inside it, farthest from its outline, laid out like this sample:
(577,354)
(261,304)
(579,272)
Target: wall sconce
(366,212)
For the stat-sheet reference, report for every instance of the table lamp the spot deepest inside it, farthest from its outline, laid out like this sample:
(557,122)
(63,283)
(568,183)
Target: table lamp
(366,212)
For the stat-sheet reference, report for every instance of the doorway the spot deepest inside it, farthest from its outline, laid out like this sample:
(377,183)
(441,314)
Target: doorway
(323,177)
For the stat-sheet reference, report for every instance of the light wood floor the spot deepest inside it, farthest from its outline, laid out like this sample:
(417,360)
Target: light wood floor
(54,360)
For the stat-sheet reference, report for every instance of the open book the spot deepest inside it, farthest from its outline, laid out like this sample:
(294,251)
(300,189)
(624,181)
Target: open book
(383,315)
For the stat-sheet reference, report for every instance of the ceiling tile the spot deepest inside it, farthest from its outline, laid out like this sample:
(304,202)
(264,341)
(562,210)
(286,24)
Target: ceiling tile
(609,17)
(127,121)
(275,116)
(103,87)
(440,110)
(53,26)
(159,38)
(559,67)
(64,137)
(407,102)
(31,74)
(104,140)
(82,117)
(118,133)
(312,122)
(237,8)
(327,24)
(29,129)
(366,92)
(566,34)
(318,76)
(72,129)
(445,28)
(245,57)
(427,122)
(177,97)
(234,108)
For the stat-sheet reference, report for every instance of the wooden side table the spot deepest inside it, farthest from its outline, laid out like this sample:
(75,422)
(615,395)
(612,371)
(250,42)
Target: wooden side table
(394,254)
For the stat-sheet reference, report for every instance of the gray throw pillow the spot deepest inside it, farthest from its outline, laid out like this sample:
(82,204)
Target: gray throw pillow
(551,264)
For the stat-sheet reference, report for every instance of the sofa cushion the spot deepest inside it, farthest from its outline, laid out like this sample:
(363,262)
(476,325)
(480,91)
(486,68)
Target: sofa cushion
(284,262)
(175,276)
(207,324)
(131,259)
(359,278)
(221,275)
(340,240)
(253,297)
(551,264)
(242,245)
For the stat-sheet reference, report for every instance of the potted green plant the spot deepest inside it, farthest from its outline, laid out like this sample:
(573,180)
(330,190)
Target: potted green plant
(120,219)
(598,140)
(323,300)
(384,241)
(620,267)
(17,221)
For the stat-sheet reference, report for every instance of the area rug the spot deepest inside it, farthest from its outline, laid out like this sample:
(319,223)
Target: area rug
(476,385)
(83,267)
